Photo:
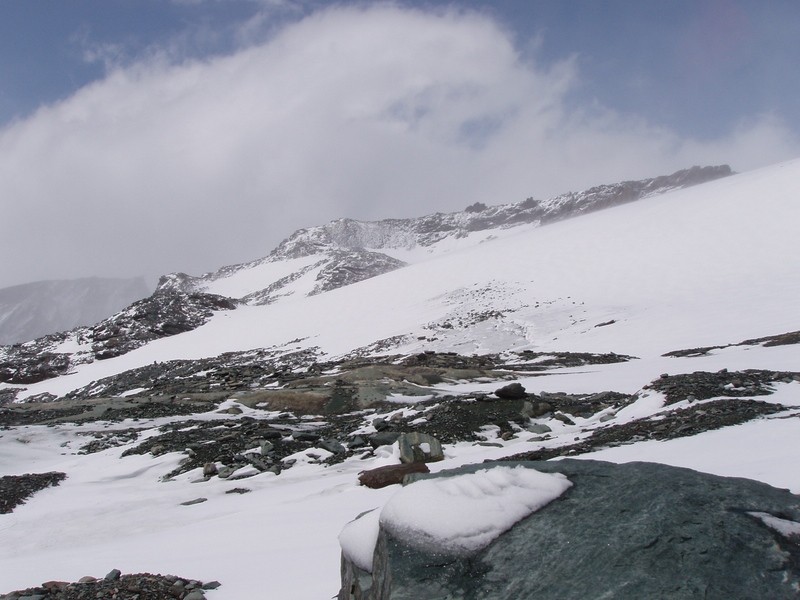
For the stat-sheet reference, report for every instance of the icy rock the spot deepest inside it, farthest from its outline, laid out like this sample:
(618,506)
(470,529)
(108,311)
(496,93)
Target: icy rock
(671,532)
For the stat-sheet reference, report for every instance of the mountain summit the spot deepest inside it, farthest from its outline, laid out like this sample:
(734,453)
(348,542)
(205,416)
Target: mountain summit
(345,251)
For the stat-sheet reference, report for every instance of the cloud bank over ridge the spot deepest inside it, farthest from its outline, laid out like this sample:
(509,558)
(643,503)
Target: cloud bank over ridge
(361,112)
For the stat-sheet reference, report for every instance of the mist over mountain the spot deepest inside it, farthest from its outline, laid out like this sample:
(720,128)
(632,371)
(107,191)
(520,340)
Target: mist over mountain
(31,310)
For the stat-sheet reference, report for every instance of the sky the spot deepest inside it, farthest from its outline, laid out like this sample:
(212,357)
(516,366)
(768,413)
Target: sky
(141,137)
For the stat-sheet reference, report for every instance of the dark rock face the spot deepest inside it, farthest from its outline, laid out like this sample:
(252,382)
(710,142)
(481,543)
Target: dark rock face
(637,530)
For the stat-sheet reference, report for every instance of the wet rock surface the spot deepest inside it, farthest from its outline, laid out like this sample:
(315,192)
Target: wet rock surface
(635,530)
(15,489)
(139,586)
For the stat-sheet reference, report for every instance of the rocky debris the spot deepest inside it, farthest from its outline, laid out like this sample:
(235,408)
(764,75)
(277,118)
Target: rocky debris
(231,444)
(103,440)
(295,380)
(701,385)
(544,361)
(683,422)
(638,530)
(15,489)
(782,339)
(99,409)
(140,586)
(419,448)
(390,474)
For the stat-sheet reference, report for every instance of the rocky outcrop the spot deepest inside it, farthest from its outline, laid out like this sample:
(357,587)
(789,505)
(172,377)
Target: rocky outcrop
(637,530)
(161,315)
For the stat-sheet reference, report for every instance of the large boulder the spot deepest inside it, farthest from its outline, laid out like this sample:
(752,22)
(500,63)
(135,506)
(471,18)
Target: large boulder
(637,530)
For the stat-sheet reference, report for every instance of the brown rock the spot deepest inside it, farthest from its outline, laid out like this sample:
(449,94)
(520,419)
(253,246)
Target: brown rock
(390,474)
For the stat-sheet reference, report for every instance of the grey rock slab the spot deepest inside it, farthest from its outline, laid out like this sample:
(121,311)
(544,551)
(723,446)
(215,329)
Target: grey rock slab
(419,447)
(636,530)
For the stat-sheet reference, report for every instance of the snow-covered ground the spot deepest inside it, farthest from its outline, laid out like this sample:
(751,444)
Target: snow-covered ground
(710,265)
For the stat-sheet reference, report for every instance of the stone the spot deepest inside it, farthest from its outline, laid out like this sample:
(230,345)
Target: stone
(113,575)
(177,589)
(383,438)
(512,391)
(419,447)
(55,585)
(563,418)
(211,585)
(539,428)
(195,595)
(357,442)
(267,447)
(195,501)
(389,475)
(660,532)
(224,472)
(332,446)
(305,436)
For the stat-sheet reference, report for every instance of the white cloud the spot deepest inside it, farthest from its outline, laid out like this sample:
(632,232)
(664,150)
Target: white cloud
(361,112)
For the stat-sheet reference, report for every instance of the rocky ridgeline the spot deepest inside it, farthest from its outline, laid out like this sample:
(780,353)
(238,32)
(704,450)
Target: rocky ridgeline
(430,229)
(349,250)
(140,586)
(161,315)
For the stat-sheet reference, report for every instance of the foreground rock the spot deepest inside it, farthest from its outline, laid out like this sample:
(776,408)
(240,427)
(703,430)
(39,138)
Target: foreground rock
(141,586)
(637,530)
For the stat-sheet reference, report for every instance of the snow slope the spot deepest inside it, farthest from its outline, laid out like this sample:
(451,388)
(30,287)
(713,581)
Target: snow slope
(714,264)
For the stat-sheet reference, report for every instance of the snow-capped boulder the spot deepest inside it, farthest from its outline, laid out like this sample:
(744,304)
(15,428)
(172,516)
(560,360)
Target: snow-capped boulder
(636,530)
